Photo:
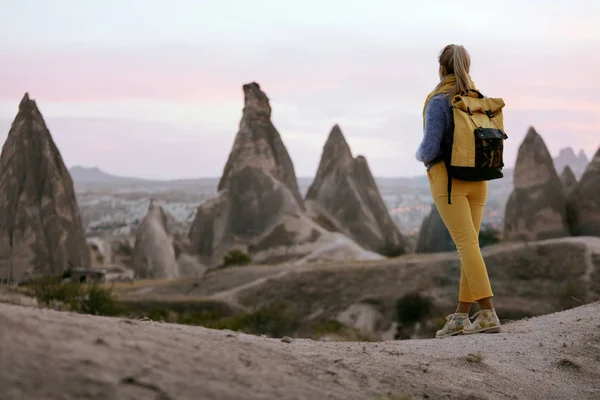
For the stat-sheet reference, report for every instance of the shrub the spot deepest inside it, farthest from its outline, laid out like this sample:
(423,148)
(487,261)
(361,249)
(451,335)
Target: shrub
(330,326)
(412,308)
(86,299)
(236,257)
(392,251)
(97,300)
(275,320)
(488,236)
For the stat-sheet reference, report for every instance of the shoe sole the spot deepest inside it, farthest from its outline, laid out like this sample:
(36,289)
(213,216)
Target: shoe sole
(449,335)
(484,330)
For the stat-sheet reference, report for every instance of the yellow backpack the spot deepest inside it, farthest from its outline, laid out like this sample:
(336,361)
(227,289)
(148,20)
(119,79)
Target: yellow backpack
(473,151)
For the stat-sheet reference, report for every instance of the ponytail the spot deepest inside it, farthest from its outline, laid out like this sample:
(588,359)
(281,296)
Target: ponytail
(456,61)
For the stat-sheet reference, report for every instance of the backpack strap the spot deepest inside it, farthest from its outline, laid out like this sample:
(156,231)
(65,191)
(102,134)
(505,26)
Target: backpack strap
(447,162)
(477,92)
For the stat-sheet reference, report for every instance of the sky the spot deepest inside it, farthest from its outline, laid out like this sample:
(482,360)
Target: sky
(153,88)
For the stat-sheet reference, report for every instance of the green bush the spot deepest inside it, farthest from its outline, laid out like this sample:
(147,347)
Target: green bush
(488,236)
(86,299)
(412,308)
(392,251)
(236,257)
(330,326)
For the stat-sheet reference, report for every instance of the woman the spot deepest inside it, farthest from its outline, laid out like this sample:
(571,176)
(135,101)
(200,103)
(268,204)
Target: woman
(462,217)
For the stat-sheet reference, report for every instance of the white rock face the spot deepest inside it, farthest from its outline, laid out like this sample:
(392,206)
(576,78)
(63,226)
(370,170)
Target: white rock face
(363,317)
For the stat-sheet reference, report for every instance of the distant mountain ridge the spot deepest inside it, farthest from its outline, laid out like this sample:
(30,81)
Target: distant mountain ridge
(577,163)
(95,174)
(92,176)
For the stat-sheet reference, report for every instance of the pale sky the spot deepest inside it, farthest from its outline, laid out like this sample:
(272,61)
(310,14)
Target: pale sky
(152,88)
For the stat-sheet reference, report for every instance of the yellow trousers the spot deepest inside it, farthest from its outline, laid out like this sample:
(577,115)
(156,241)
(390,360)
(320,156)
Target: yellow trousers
(463,220)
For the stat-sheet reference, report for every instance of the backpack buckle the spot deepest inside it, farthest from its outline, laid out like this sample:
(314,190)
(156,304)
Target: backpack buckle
(489,113)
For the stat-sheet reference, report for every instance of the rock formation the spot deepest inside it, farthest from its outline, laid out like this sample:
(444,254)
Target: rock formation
(577,163)
(583,205)
(536,209)
(153,253)
(259,209)
(344,195)
(259,145)
(568,179)
(40,227)
(433,235)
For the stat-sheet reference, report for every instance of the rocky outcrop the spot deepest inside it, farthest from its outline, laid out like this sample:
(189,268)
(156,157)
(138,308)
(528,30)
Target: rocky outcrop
(40,227)
(153,253)
(568,179)
(583,205)
(433,235)
(543,275)
(258,209)
(259,145)
(567,158)
(344,195)
(536,209)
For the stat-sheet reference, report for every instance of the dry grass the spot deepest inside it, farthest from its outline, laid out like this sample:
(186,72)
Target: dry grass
(476,358)
(138,284)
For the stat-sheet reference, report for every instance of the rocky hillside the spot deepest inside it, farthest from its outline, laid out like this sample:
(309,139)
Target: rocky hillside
(536,209)
(60,356)
(528,280)
(345,197)
(40,227)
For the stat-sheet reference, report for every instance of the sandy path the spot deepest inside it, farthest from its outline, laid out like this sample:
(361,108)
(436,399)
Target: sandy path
(50,355)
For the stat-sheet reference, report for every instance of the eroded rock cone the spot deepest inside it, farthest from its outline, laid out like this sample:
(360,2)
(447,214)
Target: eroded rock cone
(153,253)
(536,209)
(583,205)
(259,145)
(345,196)
(244,214)
(40,226)
(433,235)
(568,179)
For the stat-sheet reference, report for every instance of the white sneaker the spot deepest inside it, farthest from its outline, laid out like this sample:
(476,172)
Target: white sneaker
(455,323)
(485,321)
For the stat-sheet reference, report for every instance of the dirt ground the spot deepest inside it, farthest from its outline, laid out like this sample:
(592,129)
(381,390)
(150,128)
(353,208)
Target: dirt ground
(49,355)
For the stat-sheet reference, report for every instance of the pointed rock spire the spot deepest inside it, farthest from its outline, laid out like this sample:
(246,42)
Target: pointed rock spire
(583,204)
(568,179)
(153,252)
(433,235)
(536,209)
(40,226)
(259,145)
(345,194)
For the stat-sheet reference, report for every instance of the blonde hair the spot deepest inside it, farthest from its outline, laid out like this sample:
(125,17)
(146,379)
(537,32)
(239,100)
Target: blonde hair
(456,61)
